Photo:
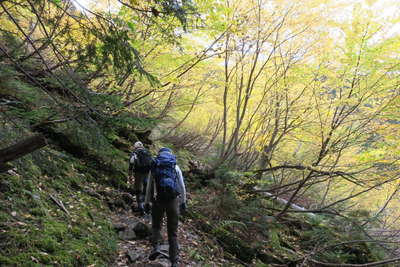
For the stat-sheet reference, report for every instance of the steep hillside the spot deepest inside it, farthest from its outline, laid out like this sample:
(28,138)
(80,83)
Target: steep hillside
(50,213)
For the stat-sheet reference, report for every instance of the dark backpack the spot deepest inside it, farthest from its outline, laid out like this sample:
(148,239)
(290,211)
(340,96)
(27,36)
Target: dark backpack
(143,160)
(164,173)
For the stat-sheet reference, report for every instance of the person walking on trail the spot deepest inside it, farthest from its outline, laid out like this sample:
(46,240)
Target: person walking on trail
(167,178)
(139,168)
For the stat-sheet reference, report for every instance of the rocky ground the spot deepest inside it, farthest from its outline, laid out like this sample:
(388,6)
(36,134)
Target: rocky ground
(134,246)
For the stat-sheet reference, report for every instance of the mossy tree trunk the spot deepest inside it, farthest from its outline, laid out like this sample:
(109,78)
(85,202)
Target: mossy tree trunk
(20,149)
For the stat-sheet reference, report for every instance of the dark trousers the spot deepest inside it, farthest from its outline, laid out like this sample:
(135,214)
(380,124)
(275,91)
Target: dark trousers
(171,209)
(139,186)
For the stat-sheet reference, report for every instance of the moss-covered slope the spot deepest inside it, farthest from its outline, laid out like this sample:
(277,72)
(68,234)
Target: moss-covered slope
(52,211)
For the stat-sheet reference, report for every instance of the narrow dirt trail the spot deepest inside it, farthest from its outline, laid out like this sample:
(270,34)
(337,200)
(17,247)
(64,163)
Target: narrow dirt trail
(196,248)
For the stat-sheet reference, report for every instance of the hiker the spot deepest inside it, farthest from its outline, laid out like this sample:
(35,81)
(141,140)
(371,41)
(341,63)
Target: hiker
(167,178)
(139,168)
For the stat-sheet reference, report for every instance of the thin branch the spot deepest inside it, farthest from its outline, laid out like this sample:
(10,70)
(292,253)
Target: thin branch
(59,203)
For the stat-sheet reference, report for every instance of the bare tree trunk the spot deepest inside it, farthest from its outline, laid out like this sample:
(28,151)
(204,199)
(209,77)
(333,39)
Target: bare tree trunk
(226,88)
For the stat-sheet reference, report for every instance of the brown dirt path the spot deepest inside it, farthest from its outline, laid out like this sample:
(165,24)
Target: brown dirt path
(197,249)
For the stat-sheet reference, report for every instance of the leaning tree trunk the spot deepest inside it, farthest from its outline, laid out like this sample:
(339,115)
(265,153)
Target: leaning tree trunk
(20,149)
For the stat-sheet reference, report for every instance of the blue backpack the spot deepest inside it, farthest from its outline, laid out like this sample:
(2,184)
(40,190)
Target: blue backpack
(163,170)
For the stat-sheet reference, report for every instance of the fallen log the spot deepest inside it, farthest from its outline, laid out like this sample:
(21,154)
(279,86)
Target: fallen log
(284,202)
(22,148)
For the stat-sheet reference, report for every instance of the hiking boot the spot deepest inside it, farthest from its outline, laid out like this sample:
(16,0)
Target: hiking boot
(154,253)
(175,264)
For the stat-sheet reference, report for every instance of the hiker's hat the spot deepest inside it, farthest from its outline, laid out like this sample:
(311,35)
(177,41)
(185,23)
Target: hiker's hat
(138,144)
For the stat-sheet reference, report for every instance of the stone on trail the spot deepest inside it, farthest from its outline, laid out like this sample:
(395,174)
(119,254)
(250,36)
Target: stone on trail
(128,234)
(133,256)
(119,226)
(131,222)
(141,230)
